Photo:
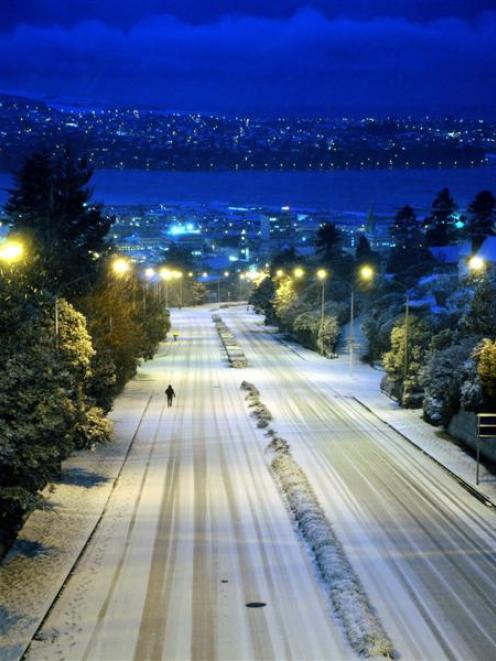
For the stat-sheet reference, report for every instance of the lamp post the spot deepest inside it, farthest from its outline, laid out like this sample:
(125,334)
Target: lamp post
(242,277)
(165,274)
(322,275)
(365,274)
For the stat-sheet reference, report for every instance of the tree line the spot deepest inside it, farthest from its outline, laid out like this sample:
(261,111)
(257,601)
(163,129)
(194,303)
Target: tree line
(429,324)
(72,330)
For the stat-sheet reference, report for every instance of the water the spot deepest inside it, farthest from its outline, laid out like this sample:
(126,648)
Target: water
(350,190)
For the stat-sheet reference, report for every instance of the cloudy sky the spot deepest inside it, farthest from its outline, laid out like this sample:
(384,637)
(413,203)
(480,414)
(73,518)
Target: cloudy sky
(319,56)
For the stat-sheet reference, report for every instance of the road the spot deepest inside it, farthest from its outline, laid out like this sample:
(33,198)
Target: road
(196,528)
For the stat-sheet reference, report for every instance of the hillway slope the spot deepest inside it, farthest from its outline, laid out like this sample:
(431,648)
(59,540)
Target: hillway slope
(195,529)
(422,545)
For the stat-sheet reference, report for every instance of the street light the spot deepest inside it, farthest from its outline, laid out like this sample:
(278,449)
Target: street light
(242,277)
(476,264)
(120,266)
(322,275)
(165,274)
(365,274)
(298,273)
(11,251)
(279,273)
(178,275)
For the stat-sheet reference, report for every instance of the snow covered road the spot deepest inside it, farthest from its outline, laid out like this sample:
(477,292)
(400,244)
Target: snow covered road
(194,530)
(424,548)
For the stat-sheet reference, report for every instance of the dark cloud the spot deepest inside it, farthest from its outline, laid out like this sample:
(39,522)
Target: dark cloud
(126,13)
(306,62)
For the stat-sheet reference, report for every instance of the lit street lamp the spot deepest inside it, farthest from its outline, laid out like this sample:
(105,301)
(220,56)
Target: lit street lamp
(322,275)
(365,274)
(120,266)
(11,251)
(178,275)
(476,264)
(165,274)
(298,273)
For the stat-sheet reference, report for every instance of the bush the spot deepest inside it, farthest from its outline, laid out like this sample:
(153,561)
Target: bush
(443,381)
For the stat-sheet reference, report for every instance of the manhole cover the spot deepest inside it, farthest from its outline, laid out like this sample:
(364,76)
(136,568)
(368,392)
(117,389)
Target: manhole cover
(255,604)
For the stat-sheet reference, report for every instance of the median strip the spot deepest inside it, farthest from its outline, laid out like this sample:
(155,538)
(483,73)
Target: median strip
(343,587)
(234,353)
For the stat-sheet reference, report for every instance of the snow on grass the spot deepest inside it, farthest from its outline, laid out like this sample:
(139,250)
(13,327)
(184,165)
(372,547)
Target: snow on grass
(343,587)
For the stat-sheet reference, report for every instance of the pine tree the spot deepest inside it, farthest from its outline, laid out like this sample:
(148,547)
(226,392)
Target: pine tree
(409,255)
(481,218)
(364,253)
(329,243)
(50,206)
(439,224)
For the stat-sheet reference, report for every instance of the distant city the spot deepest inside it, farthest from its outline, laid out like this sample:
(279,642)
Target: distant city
(228,239)
(134,138)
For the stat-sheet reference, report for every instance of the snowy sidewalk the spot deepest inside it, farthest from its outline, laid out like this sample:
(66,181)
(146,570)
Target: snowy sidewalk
(52,539)
(364,386)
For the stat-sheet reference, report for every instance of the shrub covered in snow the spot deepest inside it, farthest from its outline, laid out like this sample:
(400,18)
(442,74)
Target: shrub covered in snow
(45,412)
(408,349)
(443,381)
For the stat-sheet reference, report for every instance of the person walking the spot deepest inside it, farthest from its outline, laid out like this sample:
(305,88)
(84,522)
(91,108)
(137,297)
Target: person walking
(170,394)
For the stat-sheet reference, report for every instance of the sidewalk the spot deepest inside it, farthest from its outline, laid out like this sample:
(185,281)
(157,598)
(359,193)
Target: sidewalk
(35,569)
(364,386)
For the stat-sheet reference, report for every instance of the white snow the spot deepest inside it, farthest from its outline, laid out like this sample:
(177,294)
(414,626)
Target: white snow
(196,505)
(194,529)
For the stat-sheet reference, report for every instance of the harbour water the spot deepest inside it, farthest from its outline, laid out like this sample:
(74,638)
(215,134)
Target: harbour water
(340,191)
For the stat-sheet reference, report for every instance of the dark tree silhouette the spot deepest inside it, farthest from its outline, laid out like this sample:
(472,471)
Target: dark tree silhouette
(364,253)
(329,243)
(50,206)
(439,225)
(409,256)
(481,218)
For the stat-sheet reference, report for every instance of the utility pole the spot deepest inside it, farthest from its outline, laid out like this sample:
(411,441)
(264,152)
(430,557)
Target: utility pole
(351,337)
(407,321)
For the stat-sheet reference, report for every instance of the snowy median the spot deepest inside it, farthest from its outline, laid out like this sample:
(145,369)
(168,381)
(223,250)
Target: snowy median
(343,587)
(234,353)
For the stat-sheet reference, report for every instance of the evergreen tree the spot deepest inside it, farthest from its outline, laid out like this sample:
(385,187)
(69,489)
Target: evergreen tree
(364,255)
(329,242)
(481,218)
(262,298)
(480,319)
(45,411)
(408,257)
(439,225)
(50,206)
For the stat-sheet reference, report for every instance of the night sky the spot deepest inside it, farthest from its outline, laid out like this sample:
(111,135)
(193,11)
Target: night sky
(265,56)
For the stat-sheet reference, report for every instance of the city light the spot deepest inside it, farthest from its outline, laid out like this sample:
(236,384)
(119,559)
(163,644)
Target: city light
(149,272)
(298,273)
(279,273)
(165,274)
(11,251)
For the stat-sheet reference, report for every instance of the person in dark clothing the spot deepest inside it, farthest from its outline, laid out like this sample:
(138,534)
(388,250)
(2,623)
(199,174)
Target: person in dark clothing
(170,394)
